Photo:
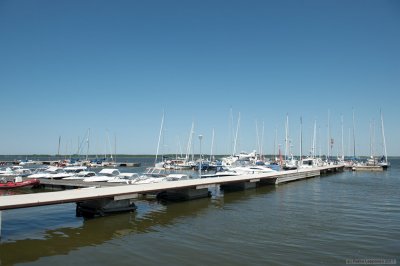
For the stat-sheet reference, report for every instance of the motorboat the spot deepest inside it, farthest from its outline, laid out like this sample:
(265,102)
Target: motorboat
(176,177)
(50,173)
(126,178)
(75,169)
(18,183)
(15,170)
(103,176)
(152,175)
(157,175)
(240,170)
(81,175)
(106,175)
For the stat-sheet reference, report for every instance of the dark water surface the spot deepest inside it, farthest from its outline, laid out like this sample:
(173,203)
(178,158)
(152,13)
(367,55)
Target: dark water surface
(319,221)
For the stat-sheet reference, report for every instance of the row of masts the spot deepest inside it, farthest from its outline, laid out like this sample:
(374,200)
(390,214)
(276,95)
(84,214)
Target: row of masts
(85,142)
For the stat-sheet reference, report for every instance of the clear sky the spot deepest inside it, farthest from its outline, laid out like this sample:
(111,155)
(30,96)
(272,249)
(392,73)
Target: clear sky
(114,66)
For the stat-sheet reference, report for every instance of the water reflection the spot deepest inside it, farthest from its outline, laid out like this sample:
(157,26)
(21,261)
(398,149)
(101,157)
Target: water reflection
(149,216)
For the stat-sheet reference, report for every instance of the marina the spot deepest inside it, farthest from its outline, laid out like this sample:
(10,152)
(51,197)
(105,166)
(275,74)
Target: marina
(332,207)
(187,189)
(224,133)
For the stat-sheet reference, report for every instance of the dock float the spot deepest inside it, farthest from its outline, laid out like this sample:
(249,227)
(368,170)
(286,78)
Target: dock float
(373,168)
(187,189)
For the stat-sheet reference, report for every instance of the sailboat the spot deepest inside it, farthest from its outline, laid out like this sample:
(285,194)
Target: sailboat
(290,162)
(156,163)
(383,162)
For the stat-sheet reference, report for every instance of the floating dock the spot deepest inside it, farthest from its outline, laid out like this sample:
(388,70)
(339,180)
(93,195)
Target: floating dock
(373,168)
(184,189)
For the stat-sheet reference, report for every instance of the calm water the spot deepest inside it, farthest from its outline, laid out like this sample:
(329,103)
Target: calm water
(320,221)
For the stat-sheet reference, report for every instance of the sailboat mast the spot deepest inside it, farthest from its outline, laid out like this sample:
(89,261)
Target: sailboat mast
(383,136)
(373,137)
(189,144)
(348,143)
(262,143)
(286,136)
(258,138)
(109,144)
(236,135)
(354,138)
(275,141)
(212,146)
(314,140)
(159,138)
(301,137)
(115,147)
(87,141)
(342,138)
(370,139)
(329,136)
(59,143)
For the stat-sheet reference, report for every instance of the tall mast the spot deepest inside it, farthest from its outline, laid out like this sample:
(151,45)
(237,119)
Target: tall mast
(275,141)
(105,149)
(329,136)
(236,136)
(354,137)
(79,146)
(370,140)
(314,152)
(231,133)
(383,136)
(301,137)
(109,144)
(286,136)
(159,137)
(318,143)
(189,144)
(212,146)
(115,147)
(373,137)
(342,139)
(59,143)
(262,143)
(348,143)
(87,142)
(258,139)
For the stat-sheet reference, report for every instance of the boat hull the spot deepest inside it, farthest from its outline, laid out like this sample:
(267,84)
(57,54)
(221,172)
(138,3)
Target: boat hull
(26,183)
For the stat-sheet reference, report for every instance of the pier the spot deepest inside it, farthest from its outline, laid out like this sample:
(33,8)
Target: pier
(184,189)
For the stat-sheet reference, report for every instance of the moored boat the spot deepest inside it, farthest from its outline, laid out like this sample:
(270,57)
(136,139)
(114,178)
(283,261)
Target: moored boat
(18,183)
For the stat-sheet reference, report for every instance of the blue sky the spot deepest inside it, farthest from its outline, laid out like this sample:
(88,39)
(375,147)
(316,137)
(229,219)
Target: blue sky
(114,66)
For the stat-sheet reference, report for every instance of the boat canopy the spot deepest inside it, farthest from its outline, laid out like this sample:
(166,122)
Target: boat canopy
(109,172)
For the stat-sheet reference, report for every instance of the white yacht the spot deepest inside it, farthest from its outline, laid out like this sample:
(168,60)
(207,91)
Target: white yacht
(310,162)
(124,178)
(50,173)
(106,175)
(156,175)
(81,175)
(103,176)
(240,170)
